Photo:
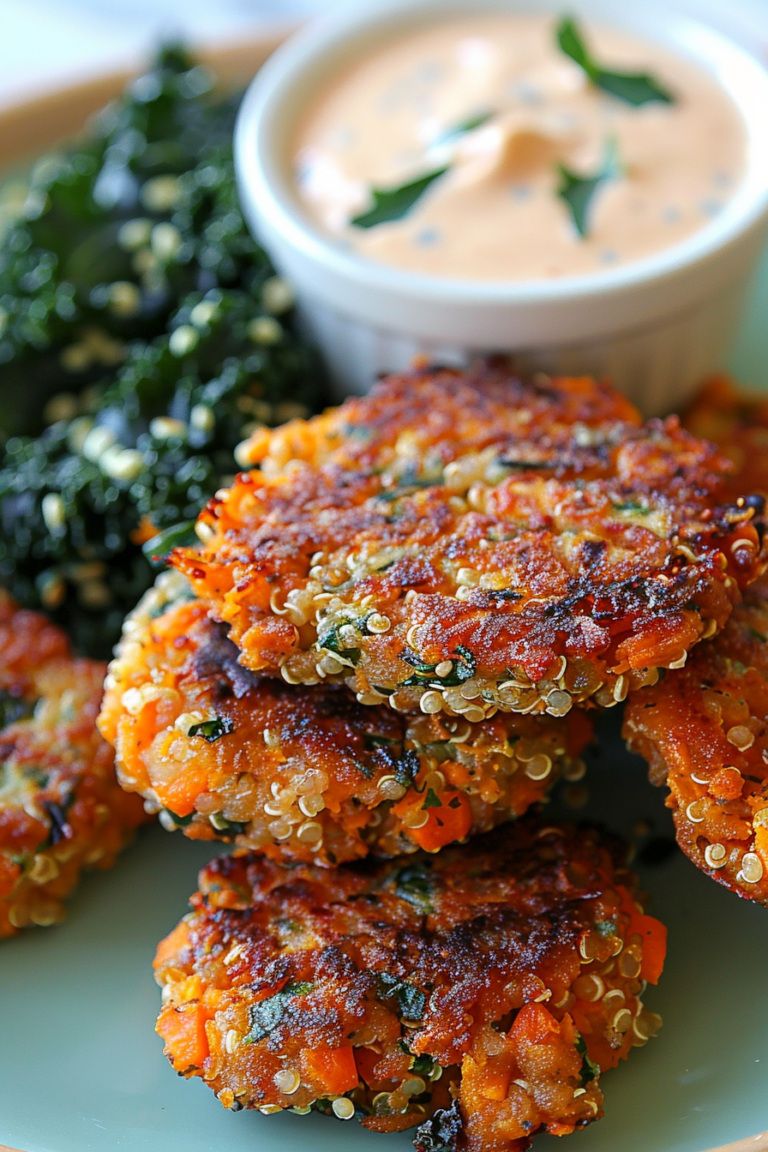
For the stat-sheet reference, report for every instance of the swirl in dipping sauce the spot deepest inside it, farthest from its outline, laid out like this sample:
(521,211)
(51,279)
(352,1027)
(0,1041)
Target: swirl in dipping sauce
(480,148)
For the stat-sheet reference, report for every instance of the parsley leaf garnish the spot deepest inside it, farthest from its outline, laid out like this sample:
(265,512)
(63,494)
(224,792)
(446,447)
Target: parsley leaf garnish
(577,191)
(394,203)
(464,126)
(635,88)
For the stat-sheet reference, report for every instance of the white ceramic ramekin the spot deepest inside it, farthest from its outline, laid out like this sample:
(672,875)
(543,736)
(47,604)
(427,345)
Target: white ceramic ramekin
(656,326)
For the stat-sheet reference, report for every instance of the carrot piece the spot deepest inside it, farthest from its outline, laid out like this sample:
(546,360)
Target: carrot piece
(9,874)
(659,644)
(366,1060)
(183,1030)
(726,784)
(143,531)
(450,821)
(567,1030)
(654,935)
(494,1083)
(169,948)
(534,1024)
(178,790)
(332,1069)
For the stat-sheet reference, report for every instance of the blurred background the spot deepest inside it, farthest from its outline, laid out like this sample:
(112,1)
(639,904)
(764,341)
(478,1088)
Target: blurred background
(45,43)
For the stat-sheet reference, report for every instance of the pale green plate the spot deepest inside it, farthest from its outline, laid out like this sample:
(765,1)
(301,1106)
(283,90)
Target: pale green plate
(81,1069)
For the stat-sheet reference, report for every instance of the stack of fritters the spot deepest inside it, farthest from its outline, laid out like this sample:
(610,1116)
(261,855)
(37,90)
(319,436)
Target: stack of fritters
(61,808)
(380,646)
(308,773)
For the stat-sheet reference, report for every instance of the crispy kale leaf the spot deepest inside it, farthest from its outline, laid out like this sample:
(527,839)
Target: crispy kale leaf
(143,334)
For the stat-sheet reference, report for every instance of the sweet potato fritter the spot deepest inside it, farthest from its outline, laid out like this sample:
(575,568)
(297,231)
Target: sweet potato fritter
(738,423)
(704,732)
(478,993)
(565,551)
(704,729)
(412,431)
(307,773)
(61,808)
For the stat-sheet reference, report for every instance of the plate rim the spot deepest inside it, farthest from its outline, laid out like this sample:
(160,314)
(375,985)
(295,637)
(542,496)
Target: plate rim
(42,121)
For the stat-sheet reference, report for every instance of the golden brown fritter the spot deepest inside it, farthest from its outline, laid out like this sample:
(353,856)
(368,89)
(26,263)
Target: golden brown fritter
(307,773)
(738,423)
(61,808)
(411,431)
(704,732)
(478,993)
(568,560)
(704,728)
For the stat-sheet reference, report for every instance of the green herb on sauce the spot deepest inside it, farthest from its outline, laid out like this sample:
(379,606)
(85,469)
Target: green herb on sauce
(577,190)
(394,203)
(448,135)
(635,88)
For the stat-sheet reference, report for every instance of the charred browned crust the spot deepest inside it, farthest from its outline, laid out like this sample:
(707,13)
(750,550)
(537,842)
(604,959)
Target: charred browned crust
(440,414)
(504,975)
(737,422)
(308,773)
(60,805)
(568,558)
(704,732)
(704,728)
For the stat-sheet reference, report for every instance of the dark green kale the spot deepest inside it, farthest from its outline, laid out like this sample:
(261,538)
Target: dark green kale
(143,335)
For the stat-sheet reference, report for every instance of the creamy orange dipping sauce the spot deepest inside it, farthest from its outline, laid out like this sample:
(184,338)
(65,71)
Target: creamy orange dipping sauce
(392,116)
